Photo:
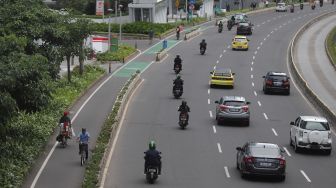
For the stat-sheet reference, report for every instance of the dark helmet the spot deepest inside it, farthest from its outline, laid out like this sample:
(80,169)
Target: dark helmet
(65,113)
(203,40)
(151,145)
(177,56)
(178,77)
(184,103)
(83,130)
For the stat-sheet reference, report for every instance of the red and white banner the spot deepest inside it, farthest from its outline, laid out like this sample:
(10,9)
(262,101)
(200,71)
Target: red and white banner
(99,7)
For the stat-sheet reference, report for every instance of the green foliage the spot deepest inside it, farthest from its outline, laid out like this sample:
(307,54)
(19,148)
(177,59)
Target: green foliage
(93,168)
(331,45)
(123,52)
(27,133)
(77,5)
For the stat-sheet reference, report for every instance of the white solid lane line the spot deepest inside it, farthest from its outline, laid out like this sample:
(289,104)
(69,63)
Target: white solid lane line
(255,93)
(287,151)
(214,129)
(305,175)
(219,148)
(265,116)
(275,133)
(227,172)
(208,101)
(208,91)
(252,84)
(210,113)
(251,75)
(259,103)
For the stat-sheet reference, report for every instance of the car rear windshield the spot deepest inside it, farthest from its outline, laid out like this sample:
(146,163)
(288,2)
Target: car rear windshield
(277,77)
(281,4)
(265,151)
(244,24)
(312,125)
(240,39)
(223,74)
(234,103)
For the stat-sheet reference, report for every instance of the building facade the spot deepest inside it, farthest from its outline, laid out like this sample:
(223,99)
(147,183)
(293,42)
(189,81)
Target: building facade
(148,11)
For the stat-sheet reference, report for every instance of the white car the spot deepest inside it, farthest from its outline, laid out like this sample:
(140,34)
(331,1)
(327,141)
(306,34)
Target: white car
(281,7)
(310,132)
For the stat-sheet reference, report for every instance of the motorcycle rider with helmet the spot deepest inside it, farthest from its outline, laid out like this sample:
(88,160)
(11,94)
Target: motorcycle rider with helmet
(178,61)
(178,82)
(220,25)
(65,125)
(203,44)
(184,108)
(152,157)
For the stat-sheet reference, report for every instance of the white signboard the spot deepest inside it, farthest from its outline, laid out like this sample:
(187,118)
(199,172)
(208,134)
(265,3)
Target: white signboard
(100,7)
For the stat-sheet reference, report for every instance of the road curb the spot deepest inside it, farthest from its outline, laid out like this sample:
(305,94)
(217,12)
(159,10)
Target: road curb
(130,89)
(300,81)
(327,51)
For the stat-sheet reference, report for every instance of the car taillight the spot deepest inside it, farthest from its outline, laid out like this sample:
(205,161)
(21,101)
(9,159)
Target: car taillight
(285,82)
(223,107)
(269,82)
(245,108)
(282,162)
(301,133)
(248,159)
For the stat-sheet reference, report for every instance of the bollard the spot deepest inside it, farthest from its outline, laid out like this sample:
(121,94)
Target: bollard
(110,67)
(136,44)
(164,44)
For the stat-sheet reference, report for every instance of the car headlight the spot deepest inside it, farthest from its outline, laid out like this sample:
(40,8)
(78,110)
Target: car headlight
(233,43)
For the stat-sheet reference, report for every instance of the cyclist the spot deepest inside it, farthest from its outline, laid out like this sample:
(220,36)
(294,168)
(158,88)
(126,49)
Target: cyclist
(83,139)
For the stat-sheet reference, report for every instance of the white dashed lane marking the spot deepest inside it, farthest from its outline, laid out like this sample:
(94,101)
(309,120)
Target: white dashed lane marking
(265,116)
(251,75)
(208,91)
(258,47)
(219,148)
(214,67)
(214,129)
(305,175)
(255,52)
(217,61)
(265,38)
(229,46)
(255,93)
(208,101)
(227,172)
(259,103)
(261,43)
(224,51)
(221,56)
(210,113)
(287,151)
(253,57)
(251,68)
(275,133)
(268,35)
(252,63)
(252,84)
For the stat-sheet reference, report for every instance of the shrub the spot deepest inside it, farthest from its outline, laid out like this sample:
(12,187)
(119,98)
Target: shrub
(123,52)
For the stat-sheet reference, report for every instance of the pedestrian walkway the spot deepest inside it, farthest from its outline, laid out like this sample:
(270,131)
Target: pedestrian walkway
(313,63)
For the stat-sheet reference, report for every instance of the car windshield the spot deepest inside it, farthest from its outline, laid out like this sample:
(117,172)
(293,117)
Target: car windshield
(312,125)
(281,4)
(244,24)
(234,103)
(264,151)
(240,40)
(277,78)
(222,74)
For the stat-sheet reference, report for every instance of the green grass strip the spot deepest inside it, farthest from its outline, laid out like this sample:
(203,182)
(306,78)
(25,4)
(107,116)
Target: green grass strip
(331,44)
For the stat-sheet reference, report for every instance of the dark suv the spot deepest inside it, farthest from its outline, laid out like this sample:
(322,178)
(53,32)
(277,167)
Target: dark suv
(276,82)
(244,28)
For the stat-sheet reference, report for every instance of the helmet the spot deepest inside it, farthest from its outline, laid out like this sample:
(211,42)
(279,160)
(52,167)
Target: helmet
(178,55)
(184,103)
(65,113)
(152,145)
(203,40)
(83,129)
(178,77)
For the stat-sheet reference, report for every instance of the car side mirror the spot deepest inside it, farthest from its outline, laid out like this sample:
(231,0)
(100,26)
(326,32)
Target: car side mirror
(216,102)
(248,39)
(292,123)
(282,150)
(288,78)
(239,149)
(264,76)
(211,72)
(248,102)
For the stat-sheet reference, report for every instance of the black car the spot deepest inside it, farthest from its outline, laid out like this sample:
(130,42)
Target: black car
(244,28)
(276,82)
(261,159)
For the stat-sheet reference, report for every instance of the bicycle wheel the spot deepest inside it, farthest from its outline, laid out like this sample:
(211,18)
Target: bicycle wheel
(82,158)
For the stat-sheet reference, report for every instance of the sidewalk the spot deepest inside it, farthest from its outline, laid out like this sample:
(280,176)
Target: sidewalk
(313,63)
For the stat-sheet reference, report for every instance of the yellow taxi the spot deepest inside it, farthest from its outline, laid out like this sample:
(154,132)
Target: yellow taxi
(240,42)
(222,77)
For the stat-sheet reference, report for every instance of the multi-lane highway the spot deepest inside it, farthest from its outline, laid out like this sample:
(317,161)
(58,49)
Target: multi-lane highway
(203,155)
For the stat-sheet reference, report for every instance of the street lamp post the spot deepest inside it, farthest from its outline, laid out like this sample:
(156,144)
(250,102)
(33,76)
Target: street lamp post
(120,6)
(109,29)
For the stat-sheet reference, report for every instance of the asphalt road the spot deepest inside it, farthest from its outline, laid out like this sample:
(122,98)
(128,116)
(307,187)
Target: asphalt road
(203,155)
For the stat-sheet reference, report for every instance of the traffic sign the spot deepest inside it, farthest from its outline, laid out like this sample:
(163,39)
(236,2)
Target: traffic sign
(192,1)
(191,6)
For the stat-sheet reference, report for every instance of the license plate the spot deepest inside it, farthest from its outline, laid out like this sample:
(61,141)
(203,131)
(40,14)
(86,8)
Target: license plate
(239,47)
(265,164)
(152,170)
(277,83)
(234,110)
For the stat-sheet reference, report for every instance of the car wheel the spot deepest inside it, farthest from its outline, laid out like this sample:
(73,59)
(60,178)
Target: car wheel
(296,148)
(266,91)
(282,177)
(233,49)
(247,123)
(290,140)
(237,166)
(219,122)
(328,151)
(246,49)
(288,92)
(211,86)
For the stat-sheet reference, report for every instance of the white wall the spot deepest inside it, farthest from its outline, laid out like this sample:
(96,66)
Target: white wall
(208,7)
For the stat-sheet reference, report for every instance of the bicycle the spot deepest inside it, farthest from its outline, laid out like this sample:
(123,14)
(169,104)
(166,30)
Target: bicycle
(82,153)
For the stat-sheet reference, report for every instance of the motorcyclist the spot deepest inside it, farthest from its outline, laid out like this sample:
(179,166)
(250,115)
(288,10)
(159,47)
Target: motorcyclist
(178,61)
(65,124)
(203,44)
(184,108)
(178,82)
(152,157)
(220,24)
(83,138)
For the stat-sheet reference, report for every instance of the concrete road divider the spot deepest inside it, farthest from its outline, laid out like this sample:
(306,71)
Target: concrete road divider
(300,81)
(192,33)
(160,55)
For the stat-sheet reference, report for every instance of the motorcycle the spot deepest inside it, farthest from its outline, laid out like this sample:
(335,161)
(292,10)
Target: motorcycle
(229,25)
(301,6)
(177,69)
(177,91)
(292,9)
(313,7)
(202,50)
(152,174)
(321,3)
(220,29)
(183,120)
(333,2)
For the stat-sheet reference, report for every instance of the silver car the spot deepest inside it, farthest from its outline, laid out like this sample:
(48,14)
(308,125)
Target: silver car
(232,108)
